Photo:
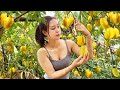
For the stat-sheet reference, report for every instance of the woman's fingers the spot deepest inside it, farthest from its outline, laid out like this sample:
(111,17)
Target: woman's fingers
(88,56)
(77,23)
(84,59)
(80,57)
(78,26)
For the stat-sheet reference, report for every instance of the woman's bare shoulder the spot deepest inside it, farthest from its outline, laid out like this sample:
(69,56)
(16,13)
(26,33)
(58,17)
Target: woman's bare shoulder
(41,51)
(42,55)
(69,42)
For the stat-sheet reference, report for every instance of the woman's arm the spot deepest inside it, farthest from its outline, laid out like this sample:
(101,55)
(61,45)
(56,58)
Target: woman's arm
(89,46)
(48,67)
(75,48)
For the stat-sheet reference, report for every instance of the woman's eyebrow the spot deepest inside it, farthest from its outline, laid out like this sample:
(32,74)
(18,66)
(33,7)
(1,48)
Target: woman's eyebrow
(54,25)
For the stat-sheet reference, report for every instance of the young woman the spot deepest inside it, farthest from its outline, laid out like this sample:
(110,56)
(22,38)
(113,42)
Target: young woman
(55,54)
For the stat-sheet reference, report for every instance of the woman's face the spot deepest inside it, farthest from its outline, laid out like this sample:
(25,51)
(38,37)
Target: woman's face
(54,30)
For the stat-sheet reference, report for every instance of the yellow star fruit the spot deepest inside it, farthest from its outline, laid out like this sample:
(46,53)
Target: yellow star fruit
(116,33)
(81,40)
(88,73)
(94,44)
(109,33)
(6,22)
(115,72)
(76,73)
(68,21)
(3,16)
(104,22)
(24,49)
(83,50)
(98,69)
(12,70)
(89,27)
(89,18)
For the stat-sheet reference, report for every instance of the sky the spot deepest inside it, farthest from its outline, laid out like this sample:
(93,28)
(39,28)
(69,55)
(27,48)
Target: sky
(50,13)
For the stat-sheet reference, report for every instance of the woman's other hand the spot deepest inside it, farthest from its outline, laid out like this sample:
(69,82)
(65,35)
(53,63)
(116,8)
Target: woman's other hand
(80,60)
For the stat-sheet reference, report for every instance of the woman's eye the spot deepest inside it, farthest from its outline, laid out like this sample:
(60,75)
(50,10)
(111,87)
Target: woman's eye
(52,28)
(58,26)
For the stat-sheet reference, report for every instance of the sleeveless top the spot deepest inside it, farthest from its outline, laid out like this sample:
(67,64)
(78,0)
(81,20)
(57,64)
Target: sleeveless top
(61,64)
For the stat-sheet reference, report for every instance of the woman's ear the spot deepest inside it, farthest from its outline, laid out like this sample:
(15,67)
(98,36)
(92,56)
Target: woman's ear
(44,32)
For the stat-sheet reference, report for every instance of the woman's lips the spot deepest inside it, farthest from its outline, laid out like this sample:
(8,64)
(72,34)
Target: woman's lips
(58,35)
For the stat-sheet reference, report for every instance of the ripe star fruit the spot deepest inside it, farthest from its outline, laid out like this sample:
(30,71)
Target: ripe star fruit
(115,72)
(81,40)
(88,73)
(68,21)
(6,21)
(83,50)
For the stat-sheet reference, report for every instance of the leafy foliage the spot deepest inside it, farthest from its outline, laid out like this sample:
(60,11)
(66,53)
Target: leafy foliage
(17,63)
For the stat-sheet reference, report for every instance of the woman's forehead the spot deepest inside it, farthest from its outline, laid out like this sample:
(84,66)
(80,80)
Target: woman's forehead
(53,22)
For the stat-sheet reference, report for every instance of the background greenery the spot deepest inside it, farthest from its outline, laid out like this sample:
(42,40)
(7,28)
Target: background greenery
(18,46)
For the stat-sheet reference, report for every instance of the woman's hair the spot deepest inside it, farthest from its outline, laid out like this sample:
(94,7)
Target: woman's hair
(39,36)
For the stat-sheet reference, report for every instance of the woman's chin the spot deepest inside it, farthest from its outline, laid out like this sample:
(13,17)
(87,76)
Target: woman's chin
(58,38)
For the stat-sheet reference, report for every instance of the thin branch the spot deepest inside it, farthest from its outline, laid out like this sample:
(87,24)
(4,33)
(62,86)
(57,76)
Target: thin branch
(20,15)
(3,52)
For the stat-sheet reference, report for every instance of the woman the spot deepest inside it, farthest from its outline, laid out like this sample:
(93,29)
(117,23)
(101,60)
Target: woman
(55,54)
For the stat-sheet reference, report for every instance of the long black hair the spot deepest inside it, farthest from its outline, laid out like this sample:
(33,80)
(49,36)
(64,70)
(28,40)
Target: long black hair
(39,36)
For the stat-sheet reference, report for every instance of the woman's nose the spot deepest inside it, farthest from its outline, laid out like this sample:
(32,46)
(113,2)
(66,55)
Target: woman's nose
(57,30)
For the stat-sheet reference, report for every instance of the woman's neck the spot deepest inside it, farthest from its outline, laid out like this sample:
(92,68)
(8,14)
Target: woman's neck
(53,44)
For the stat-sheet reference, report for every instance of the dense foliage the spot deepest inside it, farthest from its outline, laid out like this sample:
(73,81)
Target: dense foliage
(18,47)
